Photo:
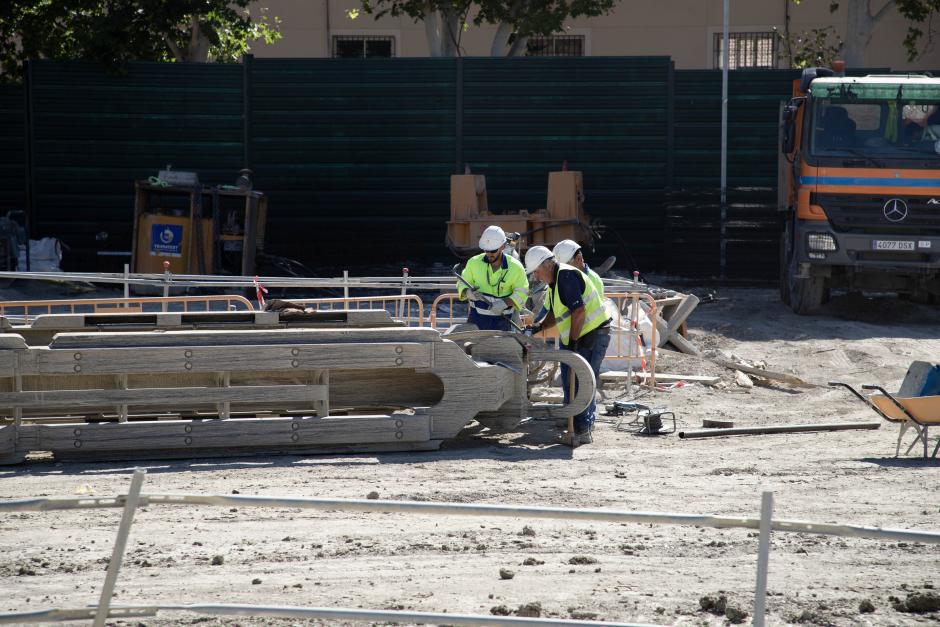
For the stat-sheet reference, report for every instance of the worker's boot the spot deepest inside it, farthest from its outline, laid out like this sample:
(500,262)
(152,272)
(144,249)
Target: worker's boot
(585,437)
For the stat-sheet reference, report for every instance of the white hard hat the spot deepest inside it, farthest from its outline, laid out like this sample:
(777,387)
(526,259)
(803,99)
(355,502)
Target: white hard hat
(565,249)
(493,237)
(536,256)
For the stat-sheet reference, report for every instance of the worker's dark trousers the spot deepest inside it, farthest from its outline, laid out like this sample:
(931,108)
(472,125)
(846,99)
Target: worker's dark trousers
(488,323)
(593,347)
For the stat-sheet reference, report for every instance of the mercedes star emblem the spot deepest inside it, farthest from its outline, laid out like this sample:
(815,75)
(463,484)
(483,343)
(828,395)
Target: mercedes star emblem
(895,210)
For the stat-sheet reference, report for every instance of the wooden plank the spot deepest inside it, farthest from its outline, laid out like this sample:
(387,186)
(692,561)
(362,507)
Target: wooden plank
(766,374)
(234,433)
(661,377)
(92,361)
(682,311)
(163,397)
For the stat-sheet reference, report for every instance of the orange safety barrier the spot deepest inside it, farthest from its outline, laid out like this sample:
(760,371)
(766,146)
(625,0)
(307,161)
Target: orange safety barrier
(399,306)
(625,334)
(24,309)
(448,318)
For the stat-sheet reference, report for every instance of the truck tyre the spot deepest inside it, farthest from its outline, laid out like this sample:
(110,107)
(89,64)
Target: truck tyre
(784,281)
(806,295)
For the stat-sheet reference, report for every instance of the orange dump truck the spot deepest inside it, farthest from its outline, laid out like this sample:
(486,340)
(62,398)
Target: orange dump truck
(860,171)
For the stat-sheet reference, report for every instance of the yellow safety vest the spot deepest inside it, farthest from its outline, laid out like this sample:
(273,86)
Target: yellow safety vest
(509,281)
(597,281)
(594,313)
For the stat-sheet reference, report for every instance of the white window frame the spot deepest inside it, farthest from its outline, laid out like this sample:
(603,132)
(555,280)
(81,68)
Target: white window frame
(581,32)
(763,28)
(378,32)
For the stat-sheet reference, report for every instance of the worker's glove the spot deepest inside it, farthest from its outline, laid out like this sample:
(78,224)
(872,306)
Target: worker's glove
(473,295)
(497,305)
(534,329)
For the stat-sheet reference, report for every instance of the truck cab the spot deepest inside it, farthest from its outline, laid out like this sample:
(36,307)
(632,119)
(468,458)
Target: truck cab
(860,183)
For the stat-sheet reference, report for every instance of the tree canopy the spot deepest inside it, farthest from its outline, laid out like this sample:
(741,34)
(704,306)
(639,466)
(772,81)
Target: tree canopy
(115,31)
(446,20)
(862,18)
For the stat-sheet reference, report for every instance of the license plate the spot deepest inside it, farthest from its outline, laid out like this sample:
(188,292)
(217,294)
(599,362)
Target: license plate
(891,244)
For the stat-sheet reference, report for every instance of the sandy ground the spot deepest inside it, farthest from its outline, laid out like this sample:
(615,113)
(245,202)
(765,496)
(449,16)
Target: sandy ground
(633,573)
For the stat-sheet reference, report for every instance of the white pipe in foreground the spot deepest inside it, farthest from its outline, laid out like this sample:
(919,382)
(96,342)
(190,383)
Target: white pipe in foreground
(120,542)
(470,509)
(327,613)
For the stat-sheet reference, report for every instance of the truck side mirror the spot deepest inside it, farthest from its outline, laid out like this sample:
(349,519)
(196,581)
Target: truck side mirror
(788,125)
(812,73)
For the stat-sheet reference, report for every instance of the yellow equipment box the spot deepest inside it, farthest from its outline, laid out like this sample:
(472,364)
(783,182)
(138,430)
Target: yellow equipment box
(170,238)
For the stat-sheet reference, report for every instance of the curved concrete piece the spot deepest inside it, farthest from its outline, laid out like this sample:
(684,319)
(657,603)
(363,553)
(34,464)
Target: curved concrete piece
(212,392)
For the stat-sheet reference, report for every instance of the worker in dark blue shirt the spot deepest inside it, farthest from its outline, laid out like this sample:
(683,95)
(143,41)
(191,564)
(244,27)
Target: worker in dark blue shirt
(573,305)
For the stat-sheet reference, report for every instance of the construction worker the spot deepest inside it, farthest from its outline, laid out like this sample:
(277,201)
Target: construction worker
(576,308)
(499,283)
(569,251)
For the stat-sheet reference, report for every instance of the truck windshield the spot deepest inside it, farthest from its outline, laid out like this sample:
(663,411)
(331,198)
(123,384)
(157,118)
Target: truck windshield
(881,121)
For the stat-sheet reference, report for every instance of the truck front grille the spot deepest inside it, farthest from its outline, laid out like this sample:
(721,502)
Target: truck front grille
(850,213)
(885,255)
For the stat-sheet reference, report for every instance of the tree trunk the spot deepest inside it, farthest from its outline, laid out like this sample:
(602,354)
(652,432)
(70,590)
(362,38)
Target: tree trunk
(177,53)
(860,23)
(434,33)
(501,40)
(450,45)
(518,47)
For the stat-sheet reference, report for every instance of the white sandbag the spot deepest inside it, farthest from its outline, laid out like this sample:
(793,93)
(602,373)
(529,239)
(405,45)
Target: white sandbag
(45,255)
(621,338)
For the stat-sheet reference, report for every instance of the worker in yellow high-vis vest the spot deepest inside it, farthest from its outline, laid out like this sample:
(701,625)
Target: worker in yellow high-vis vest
(569,251)
(576,308)
(499,283)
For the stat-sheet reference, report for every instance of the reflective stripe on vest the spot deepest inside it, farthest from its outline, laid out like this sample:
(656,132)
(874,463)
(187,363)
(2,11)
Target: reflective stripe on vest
(508,282)
(597,281)
(594,313)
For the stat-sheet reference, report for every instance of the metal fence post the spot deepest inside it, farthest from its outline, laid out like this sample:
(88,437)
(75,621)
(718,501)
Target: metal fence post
(763,557)
(166,282)
(458,118)
(30,139)
(247,75)
(117,554)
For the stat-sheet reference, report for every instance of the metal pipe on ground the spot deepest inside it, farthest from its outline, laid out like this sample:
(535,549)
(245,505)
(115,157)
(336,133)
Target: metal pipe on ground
(841,426)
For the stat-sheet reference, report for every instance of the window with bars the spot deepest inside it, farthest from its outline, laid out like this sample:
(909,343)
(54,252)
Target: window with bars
(556,46)
(747,50)
(363,46)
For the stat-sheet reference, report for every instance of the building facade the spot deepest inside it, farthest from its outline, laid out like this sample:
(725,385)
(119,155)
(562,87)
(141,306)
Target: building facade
(689,31)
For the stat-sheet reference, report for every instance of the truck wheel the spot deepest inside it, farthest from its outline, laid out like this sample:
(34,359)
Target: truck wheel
(806,295)
(784,281)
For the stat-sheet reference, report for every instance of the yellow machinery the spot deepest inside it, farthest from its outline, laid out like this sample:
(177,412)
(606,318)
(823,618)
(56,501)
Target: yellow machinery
(563,218)
(197,229)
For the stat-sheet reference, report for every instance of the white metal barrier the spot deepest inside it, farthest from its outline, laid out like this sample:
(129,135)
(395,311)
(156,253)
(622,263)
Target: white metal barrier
(129,502)
(27,310)
(406,307)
